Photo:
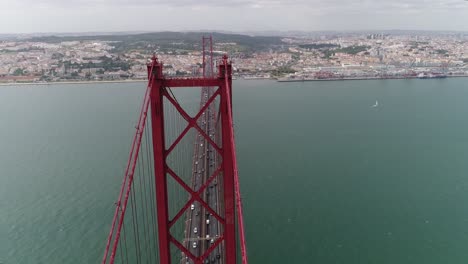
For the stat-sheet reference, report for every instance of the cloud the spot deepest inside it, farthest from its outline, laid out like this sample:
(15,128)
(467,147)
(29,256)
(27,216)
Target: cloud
(328,6)
(249,3)
(92,15)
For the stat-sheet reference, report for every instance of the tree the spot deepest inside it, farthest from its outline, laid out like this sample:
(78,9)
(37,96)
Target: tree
(18,72)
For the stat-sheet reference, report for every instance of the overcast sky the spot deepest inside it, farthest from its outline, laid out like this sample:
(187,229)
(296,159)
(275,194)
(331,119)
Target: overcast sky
(29,16)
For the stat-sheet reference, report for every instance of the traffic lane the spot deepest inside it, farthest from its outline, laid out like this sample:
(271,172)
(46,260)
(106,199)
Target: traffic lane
(195,213)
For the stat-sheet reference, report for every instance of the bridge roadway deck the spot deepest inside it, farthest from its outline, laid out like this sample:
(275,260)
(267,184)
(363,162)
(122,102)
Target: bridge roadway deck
(204,164)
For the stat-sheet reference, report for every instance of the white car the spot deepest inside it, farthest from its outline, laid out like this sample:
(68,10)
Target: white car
(195,230)
(194,244)
(207,221)
(192,207)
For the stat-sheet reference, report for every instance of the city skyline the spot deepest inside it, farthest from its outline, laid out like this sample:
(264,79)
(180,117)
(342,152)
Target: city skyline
(323,57)
(27,16)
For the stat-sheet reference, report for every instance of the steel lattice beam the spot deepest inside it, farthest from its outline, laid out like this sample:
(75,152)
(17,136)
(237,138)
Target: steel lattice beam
(229,183)
(159,85)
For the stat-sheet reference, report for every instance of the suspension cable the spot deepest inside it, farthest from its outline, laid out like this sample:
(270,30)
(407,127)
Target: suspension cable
(136,235)
(129,173)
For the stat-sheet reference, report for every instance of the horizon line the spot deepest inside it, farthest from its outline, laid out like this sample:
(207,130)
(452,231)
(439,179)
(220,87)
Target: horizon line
(51,33)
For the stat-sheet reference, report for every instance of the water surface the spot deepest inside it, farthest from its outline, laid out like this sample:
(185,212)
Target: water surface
(325,177)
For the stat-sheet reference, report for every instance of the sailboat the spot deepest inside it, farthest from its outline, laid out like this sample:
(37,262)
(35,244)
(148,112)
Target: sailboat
(376,104)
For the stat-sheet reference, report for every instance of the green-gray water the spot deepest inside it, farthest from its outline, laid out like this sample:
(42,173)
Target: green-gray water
(326,178)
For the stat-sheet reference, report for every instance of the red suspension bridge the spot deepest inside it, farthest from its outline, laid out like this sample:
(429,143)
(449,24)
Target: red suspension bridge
(180,200)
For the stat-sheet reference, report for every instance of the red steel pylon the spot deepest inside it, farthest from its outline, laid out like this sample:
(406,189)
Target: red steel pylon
(159,89)
(157,94)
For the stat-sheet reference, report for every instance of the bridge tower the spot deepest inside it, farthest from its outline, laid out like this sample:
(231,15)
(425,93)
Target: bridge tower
(213,199)
(160,86)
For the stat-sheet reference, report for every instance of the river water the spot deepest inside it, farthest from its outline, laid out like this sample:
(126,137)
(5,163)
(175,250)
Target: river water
(325,176)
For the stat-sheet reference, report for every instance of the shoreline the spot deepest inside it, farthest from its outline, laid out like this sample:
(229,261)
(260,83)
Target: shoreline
(247,79)
(369,78)
(68,82)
